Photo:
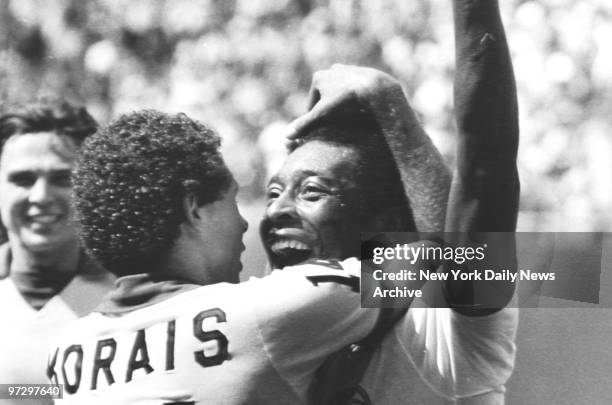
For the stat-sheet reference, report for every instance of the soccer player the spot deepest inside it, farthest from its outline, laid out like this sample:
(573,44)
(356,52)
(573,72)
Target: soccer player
(46,280)
(319,199)
(157,208)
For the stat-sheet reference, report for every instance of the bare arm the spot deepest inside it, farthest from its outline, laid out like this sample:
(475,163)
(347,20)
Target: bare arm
(424,174)
(425,177)
(485,188)
(487,119)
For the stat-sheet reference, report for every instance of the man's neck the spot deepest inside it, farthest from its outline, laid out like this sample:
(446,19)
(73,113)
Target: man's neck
(63,258)
(184,260)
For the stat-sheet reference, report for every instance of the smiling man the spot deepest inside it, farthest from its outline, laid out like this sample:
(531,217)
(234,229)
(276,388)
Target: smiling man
(330,188)
(157,205)
(47,281)
(456,355)
(36,192)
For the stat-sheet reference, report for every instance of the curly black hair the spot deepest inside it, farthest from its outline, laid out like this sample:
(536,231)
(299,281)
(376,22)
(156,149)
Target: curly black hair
(47,115)
(380,185)
(130,181)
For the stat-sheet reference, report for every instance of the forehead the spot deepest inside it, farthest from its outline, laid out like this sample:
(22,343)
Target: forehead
(37,151)
(337,162)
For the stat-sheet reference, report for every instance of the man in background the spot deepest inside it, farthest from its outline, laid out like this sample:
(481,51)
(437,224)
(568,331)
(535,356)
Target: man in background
(46,280)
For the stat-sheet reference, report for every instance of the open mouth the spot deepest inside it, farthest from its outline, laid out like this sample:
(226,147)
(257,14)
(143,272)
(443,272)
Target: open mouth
(288,252)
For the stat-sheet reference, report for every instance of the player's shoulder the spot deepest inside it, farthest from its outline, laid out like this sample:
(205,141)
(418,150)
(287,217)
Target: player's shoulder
(79,330)
(317,272)
(110,316)
(312,284)
(316,295)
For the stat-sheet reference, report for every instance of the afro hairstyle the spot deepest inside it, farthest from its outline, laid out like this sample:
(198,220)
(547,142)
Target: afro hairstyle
(130,181)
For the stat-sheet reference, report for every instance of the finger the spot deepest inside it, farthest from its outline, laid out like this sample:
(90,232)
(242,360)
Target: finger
(291,144)
(314,96)
(299,126)
(321,111)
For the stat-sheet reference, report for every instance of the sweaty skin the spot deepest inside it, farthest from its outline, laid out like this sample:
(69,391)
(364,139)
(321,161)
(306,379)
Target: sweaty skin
(308,213)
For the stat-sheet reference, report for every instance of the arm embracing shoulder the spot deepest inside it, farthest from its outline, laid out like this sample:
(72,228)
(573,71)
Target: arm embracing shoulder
(307,312)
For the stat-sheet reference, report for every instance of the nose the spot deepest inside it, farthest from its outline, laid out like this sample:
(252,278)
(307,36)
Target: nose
(40,192)
(282,206)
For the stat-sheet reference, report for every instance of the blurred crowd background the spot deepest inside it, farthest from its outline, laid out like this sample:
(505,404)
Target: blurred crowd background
(244,67)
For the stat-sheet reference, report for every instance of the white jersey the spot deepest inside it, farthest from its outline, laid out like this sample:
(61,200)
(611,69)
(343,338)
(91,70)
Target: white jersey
(436,356)
(258,342)
(26,332)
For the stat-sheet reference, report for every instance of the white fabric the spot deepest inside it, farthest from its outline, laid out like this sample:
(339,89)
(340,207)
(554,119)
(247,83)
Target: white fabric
(26,333)
(279,329)
(438,356)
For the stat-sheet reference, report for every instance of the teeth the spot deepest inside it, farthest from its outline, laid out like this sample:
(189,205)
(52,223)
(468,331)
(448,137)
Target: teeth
(289,244)
(45,219)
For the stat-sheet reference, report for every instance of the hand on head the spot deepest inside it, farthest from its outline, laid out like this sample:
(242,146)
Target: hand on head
(341,90)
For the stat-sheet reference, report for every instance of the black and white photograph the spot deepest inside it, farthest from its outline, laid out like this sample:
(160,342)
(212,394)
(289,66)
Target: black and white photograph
(322,202)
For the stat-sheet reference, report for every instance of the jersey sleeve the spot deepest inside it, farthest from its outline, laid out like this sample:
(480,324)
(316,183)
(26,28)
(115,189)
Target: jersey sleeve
(307,312)
(460,356)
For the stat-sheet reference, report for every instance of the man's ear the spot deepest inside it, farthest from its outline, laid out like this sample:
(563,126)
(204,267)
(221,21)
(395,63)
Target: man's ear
(191,209)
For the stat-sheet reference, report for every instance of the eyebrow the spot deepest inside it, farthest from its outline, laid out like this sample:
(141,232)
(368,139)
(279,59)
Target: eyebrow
(274,179)
(28,171)
(302,173)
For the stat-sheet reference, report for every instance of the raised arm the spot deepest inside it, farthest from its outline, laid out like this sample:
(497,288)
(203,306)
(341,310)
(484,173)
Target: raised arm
(425,177)
(485,188)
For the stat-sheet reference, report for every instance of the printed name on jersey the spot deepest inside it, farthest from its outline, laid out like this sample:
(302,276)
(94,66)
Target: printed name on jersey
(65,366)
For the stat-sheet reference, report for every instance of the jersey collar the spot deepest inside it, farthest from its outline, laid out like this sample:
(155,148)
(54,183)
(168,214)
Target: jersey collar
(141,290)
